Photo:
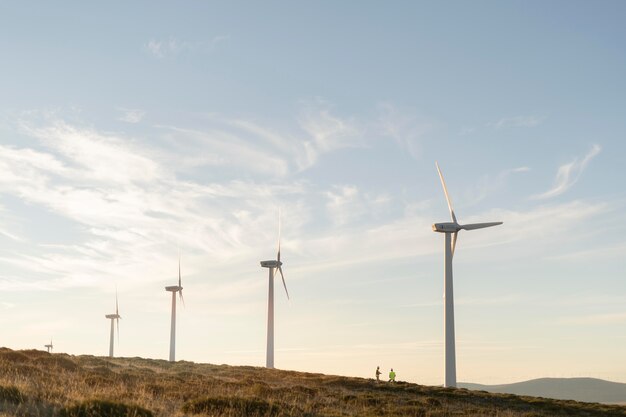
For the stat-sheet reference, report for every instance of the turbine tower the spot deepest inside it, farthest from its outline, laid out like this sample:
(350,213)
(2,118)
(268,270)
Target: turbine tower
(273,266)
(451,230)
(114,318)
(49,347)
(175,289)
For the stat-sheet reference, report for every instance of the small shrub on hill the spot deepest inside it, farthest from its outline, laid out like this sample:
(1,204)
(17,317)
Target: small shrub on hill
(232,406)
(56,362)
(34,353)
(11,395)
(99,408)
(15,357)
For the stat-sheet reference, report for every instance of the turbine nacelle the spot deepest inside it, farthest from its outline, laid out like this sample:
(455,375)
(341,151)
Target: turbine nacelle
(271,264)
(448,227)
(113,316)
(174,288)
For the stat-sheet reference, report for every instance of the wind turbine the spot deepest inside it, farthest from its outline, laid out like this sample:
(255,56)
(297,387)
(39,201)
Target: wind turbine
(273,266)
(49,347)
(175,289)
(451,230)
(114,318)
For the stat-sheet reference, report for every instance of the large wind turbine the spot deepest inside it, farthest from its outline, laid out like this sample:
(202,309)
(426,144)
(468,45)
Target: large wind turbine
(114,318)
(49,347)
(273,266)
(175,289)
(451,230)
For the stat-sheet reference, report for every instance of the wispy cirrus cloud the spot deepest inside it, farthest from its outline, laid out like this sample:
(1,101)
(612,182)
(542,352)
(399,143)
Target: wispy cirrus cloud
(347,204)
(595,319)
(326,132)
(131,115)
(405,127)
(172,46)
(490,184)
(131,206)
(568,174)
(317,131)
(221,147)
(128,203)
(516,121)
(97,156)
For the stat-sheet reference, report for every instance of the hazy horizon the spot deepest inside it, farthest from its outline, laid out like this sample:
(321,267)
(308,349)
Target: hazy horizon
(129,132)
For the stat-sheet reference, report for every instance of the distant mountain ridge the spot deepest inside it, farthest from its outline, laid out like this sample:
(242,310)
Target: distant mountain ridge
(578,389)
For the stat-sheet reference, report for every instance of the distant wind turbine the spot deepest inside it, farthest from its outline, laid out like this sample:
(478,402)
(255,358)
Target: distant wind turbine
(114,318)
(273,266)
(49,347)
(175,289)
(451,230)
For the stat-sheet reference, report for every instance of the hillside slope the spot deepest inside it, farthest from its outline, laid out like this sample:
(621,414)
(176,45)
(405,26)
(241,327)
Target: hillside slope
(35,383)
(579,389)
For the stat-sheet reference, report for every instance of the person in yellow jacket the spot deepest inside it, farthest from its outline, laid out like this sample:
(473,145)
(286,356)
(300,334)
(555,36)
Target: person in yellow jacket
(392,376)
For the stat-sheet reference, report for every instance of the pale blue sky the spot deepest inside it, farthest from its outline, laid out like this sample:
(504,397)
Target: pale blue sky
(130,130)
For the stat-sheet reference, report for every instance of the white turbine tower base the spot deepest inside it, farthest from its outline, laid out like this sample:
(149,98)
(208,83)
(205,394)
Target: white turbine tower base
(272,265)
(451,230)
(175,289)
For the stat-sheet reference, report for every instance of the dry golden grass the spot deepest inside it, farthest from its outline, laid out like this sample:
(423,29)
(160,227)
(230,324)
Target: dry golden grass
(35,383)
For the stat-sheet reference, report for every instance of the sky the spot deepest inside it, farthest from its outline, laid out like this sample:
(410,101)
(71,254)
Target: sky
(131,132)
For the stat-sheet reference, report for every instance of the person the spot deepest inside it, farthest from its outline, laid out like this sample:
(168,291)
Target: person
(378,374)
(392,376)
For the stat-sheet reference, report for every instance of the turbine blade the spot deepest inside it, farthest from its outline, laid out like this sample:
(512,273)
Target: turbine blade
(454,237)
(278,254)
(445,190)
(474,226)
(182,299)
(280,269)
(116,304)
(118,331)
(179,277)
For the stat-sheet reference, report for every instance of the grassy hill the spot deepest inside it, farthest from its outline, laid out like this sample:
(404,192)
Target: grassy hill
(579,389)
(37,384)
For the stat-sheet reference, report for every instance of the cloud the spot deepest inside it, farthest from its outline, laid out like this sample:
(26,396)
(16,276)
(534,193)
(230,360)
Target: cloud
(157,48)
(568,174)
(595,319)
(404,127)
(97,156)
(325,133)
(171,47)
(501,299)
(490,184)
(131,210)
(604,253)
(10,235)
(222,147)
(466,131)
(132,203)
(219,39)
(131,115)
(347,204)
(517,121)
(317,131)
